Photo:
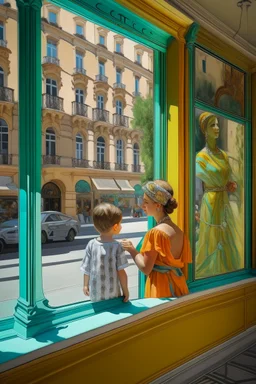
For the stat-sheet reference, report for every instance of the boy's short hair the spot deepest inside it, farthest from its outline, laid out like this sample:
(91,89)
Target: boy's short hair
(105,216)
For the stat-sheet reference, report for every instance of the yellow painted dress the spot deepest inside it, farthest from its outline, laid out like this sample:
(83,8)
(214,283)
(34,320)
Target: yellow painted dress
(219,246)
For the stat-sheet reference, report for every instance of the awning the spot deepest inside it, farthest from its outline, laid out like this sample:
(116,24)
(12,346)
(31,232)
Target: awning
(105,184)
(6,184)
(124,185)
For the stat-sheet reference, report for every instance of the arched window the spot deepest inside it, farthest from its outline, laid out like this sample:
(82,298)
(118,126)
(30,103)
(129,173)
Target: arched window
(119,107)
(100,149)
(3,142)
(79,147)
(136,154)
(119,152)
(50,142)
(1,77)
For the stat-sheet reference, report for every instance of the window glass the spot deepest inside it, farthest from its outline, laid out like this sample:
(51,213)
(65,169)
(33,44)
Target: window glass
(118,47)
(119,152)
(51,49)
(79,29)
(118,76)
(100,102)
(89,127)
(9,167)
(79,95)
(79,147)
(79,60)
(137,84)
(219,195)
(119,107)
(102,40)
(52,17)
(1,30)
(51,87)
(101,68)
(100,149)
(219,84)
(138,58)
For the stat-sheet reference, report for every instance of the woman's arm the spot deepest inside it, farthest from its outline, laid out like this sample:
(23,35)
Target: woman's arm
(144,262)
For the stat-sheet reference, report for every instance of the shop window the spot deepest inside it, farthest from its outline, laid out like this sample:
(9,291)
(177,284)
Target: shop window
(1,77)
(100,149)
(220,168)
(119,152)
(51,87)
(51,49)
(79,147)
(50,142)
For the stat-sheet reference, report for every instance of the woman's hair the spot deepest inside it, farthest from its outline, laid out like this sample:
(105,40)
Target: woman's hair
(171,203)
(105,216)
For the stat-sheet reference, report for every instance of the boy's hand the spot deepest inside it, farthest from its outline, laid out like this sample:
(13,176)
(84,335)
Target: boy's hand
(86,290)
(126,296)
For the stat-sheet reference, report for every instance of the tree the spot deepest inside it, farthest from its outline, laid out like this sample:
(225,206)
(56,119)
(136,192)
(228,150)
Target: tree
(143,120)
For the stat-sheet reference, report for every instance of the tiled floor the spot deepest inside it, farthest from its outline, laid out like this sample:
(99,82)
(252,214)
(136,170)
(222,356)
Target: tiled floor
(239,370)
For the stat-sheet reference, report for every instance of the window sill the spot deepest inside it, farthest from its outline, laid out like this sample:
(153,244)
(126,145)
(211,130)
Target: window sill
(17,351)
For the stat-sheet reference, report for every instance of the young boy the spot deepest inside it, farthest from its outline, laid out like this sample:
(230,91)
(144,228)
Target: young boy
(104,261)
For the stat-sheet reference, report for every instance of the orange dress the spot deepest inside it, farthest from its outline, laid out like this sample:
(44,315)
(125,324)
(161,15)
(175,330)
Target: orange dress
(167,278)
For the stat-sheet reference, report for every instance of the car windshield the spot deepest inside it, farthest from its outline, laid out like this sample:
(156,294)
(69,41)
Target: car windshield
(43,216)
(9,224)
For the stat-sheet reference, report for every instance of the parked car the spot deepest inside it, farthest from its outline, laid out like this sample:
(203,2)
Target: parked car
(55,226)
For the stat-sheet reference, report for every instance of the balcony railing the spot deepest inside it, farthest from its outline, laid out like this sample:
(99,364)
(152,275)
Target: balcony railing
(80,70)
(80,163)
(51,159)
(81,36)
(121,167)
(100,115)
(5,159)
(138,62)
(3,43)
(52,102)
(6,94)
(51,60)
(101,165)
(119,85)
(136,94)
(136,167)
(80,109)
(120,120)
(102,78)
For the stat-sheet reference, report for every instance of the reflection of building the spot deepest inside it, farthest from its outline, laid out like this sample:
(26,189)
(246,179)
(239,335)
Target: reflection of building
(91,77)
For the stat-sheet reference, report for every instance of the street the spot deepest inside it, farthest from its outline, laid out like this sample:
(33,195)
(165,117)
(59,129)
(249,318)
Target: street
(62,278)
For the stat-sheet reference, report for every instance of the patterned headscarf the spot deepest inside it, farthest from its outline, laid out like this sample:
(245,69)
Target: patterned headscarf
(156,193)
(203,118)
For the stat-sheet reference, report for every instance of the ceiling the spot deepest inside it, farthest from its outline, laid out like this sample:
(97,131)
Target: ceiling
(229,13)
(224,16)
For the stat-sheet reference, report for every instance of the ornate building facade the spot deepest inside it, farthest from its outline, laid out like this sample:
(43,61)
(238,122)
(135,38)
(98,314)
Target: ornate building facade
(91,77)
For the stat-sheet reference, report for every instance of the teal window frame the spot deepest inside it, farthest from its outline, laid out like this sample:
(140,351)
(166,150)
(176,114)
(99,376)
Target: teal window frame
(33,314)
(247,271)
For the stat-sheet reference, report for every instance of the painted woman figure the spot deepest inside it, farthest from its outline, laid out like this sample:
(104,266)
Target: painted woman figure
(219,246)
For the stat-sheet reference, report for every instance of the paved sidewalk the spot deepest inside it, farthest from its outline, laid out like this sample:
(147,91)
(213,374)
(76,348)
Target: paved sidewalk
(241,369)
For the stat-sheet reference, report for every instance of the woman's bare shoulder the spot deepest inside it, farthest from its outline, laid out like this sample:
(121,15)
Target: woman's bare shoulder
(167,229)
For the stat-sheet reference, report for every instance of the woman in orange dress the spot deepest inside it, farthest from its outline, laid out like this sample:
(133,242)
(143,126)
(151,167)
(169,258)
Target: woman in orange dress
(165,252)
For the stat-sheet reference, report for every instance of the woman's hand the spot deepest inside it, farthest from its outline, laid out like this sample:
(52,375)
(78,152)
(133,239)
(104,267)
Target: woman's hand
(128,246)
(231,186)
